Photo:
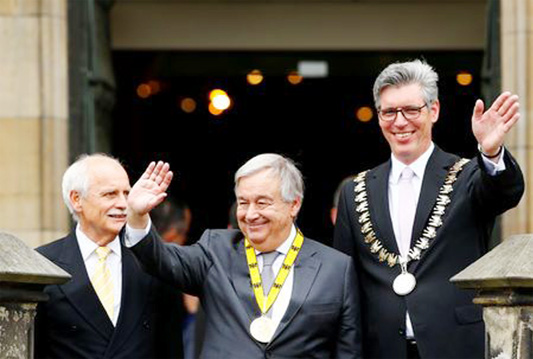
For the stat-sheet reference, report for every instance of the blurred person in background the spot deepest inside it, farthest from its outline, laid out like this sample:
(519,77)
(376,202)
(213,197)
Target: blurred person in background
(232,217)
(336,196)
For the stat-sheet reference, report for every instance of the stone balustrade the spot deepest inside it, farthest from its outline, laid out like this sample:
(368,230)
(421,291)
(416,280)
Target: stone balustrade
(503,280)
(23,275)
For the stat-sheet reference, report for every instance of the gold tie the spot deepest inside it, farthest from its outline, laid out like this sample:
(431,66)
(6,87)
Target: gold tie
(102,283)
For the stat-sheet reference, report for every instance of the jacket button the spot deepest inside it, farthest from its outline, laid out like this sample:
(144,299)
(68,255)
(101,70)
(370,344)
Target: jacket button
(146,324)
(401,331)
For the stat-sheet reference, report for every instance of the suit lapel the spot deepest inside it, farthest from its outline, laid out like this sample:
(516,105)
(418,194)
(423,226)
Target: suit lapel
(305,271)
(135,294)
(240,279)
(79,290)
(378,199)
(434,175)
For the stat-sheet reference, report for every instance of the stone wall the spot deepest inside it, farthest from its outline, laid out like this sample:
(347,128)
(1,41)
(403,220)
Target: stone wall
(33,118)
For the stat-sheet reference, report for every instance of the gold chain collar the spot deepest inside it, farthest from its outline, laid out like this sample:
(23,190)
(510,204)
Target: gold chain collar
(428,234)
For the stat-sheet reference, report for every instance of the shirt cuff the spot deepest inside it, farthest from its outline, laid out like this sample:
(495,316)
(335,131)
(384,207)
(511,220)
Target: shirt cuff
(135,235)
(494,168)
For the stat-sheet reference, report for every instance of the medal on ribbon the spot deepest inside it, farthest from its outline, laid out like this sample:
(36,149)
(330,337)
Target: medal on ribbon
(262,329)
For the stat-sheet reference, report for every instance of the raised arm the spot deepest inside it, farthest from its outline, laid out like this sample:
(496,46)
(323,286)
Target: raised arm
(491,126)
(147,193)
(499,191)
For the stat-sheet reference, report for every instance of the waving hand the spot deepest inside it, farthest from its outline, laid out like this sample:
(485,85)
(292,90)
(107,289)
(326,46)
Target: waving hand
(491,126)
(148,192)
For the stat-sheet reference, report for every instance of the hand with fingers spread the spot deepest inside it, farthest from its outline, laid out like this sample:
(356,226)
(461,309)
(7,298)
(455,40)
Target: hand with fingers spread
(490,127)
(148,192)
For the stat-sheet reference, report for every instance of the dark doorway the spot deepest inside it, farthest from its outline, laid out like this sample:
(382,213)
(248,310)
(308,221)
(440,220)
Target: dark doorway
(314,122)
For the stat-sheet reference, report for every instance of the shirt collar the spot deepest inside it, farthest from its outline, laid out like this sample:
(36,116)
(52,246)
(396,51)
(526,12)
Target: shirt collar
(418,166)
(88,247)
(286,245)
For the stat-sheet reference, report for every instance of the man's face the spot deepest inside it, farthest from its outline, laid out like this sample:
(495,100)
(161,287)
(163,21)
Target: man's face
(102,212)
(408,139)
(262,214)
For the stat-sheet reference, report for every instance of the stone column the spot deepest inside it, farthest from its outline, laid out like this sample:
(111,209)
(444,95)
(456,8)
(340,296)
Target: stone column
(23,275)
(33,118)
(517,76)
(503,279)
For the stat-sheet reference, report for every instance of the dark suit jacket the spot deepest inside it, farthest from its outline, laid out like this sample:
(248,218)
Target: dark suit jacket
(321,320)
(74,324)
(445,322)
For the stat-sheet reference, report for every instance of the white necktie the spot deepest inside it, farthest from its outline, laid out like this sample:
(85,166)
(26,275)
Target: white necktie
(406,210)
(101,281)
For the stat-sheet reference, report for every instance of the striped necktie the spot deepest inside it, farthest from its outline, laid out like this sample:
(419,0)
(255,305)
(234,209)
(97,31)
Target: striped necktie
(102,283)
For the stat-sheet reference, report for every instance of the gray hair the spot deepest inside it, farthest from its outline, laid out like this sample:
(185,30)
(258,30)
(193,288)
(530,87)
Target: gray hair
(291,179)
(407,73)
(76,178)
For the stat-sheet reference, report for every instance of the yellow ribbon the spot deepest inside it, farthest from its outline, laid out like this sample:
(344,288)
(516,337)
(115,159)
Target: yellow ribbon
(255,275)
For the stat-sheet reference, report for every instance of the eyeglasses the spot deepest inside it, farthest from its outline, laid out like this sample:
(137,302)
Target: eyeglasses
(409,113)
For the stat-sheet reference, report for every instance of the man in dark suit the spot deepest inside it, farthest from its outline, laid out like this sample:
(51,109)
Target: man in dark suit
(413,222)
(110,308)
(267,291)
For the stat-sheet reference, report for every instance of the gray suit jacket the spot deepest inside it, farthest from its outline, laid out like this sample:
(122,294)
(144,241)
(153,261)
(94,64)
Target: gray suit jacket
(322,320)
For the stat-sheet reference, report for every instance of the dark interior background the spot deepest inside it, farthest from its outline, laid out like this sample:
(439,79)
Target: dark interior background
(313,123)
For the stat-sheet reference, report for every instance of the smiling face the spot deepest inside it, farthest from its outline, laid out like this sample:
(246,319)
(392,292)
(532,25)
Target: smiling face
(408,139)
(102,211)
(262,214)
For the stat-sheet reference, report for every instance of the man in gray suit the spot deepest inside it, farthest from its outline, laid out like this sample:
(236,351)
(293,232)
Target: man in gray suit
(311,308)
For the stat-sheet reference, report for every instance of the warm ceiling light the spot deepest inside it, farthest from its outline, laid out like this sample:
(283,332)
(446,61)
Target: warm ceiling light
(294,78)
(213,110)
(188,105)
(254,77)
(364,114)
(216,92)
(144,91)
(464,78)
(220,100)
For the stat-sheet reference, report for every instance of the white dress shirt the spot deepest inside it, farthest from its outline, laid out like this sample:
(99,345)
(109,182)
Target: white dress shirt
(419,168)
(113,261)
(279,307)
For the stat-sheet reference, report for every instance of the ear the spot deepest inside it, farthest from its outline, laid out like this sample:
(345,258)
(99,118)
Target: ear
(435,110)
(295,207)
(75,201)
